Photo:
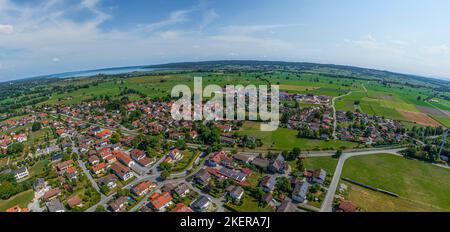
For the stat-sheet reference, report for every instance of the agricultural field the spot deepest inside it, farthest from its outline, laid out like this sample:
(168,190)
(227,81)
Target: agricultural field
(394,101)
(413,180)
(286,139)
(369,201)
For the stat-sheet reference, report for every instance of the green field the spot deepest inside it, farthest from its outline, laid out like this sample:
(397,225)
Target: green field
(286,139)
(369,201)
(375,98)
(187,161)
(443,120)
(22,199)
(249,205)
(326,163)
(414,180)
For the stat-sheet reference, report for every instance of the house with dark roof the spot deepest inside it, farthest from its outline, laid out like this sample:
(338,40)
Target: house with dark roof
(261,163)
(268,183)
(286,206)
(319,176)
(300,192)
(235,192)
(202,204)
(202,177)
(119,205)
(20,173)
(181,190)
(55,206)
(278,165)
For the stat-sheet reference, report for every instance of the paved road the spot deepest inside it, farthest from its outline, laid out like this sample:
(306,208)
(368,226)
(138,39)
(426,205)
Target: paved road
(94,184)
(328,201)
(334,112)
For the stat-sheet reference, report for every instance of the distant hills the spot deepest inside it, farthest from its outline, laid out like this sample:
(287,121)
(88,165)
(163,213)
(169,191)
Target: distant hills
(268,66)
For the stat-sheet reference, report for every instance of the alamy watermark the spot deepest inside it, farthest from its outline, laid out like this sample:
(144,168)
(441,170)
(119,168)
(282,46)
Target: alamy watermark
(234,102)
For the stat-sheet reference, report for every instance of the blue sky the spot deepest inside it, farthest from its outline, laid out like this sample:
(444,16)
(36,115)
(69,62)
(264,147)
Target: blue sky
(51,36)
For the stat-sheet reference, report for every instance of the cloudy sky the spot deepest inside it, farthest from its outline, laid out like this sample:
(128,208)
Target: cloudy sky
(50,36)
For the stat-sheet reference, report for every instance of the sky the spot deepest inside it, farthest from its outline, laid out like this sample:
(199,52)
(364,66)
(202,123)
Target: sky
(39,37)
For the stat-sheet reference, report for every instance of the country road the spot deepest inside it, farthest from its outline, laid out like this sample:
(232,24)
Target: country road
(328,201)
(333,105)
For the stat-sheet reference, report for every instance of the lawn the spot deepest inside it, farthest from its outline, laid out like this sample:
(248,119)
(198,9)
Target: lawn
(188,158)
(21,199)
(411,179)
(254,178)
(286,139)
(369,201)
(38,168)
(326,163)
(249,204)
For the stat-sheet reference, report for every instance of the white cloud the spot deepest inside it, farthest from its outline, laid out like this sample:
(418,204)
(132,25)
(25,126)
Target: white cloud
(437,49)
(250,29)
(6,29)
(209,16)
(56,59)
(175,17)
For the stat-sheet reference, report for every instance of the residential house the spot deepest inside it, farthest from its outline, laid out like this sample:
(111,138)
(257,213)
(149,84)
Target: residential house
(202,177)
(20,138)
(124,158)
(242,158)
(109,181)
(71,173)
(74,201)
(235,192)
(140,157)
(182,189)
(99,168)
(39,185)
(143,188)
(278,165)
(319,176)
(51,194)
(57,157)
(268,183)
(233,174)
(55,206)
(261,163)
(20,173)
(286,206)
(181,208)
(160,201)
(119,205)
(202,204)
(17,209)
(300,192)
(122,172)
(93,160)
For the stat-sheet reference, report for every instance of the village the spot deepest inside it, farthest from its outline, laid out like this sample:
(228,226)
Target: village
(99,156)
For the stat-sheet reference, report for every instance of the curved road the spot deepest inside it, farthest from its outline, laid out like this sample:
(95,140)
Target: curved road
(334,112)
(328,201)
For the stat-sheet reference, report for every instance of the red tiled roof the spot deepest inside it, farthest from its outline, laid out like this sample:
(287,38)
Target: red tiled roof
(51,193)
(181,208)
(74,201)
(158,201)
(17,209)
(98,167)
(124,158)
